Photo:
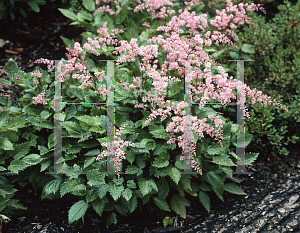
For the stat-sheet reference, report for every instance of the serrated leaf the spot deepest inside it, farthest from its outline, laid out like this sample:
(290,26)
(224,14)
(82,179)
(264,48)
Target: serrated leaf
(98,205)
(162,204)
(133,204)
(160,162)
(111,219)
(6,190)
(127,194)
(91,195)
(216,181)
(218,53)
(72,128)
(174,173)
(77,211)
(131,184)
(205,200)
(6,144)
(115,190)
(214,149)
(163,188)
(233,188)
(89,161)
(32,159)
(160,133)
(16,123)
(89,5)
(17,165)
(185,180)
(102,190)
(75,185)
(94,178)
(248,48)
(223,160)
(178,204)
(145,186)
(245,141)
(51,187)
(250,158)
(68,13)
(132,169)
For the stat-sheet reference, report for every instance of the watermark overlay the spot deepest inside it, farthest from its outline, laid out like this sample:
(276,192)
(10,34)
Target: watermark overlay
(58,159)
(240,151)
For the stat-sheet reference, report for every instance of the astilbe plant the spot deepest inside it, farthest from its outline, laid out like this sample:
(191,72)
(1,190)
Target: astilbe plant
(179,51)
(156,62)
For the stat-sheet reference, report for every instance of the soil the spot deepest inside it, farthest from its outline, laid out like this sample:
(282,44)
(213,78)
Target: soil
(36,38)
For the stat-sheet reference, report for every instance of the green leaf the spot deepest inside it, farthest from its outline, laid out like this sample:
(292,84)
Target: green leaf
(130,156)
(133,204)
(51,187)
(127,194)
(77,211)
(89,5)
(111,219)
(248,48)
(102,190)
(178,204)
(68,42)
(185,180)
(131,184)
(11,67)
(32,159)
(91,195)
(16,123)
(162,204)
(164,189)
(17,165)
(34,6)
(234,55)
(72,128)
(218,53)
(6,190)
(216,181)
(6,144)
(160,162)
(89,161)
(94,178)
(214,149)
(132,169)
(98,205)
(75,185)
(250,158)
(115,190)
(68,13)
(248,137)
(205,200)
(160,133)
(223,160)
(174,173)
(233,188)
(145,186)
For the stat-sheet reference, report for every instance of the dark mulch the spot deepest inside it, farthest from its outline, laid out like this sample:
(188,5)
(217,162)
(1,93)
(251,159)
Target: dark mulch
(34,38)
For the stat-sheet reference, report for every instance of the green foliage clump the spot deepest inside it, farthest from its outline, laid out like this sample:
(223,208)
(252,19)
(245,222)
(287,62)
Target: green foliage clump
(151,170)
(275,71)
(12,7)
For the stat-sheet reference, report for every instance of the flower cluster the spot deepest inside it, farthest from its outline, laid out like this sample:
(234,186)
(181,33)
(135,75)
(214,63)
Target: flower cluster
(40,99)
(118,144)
(179,50)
